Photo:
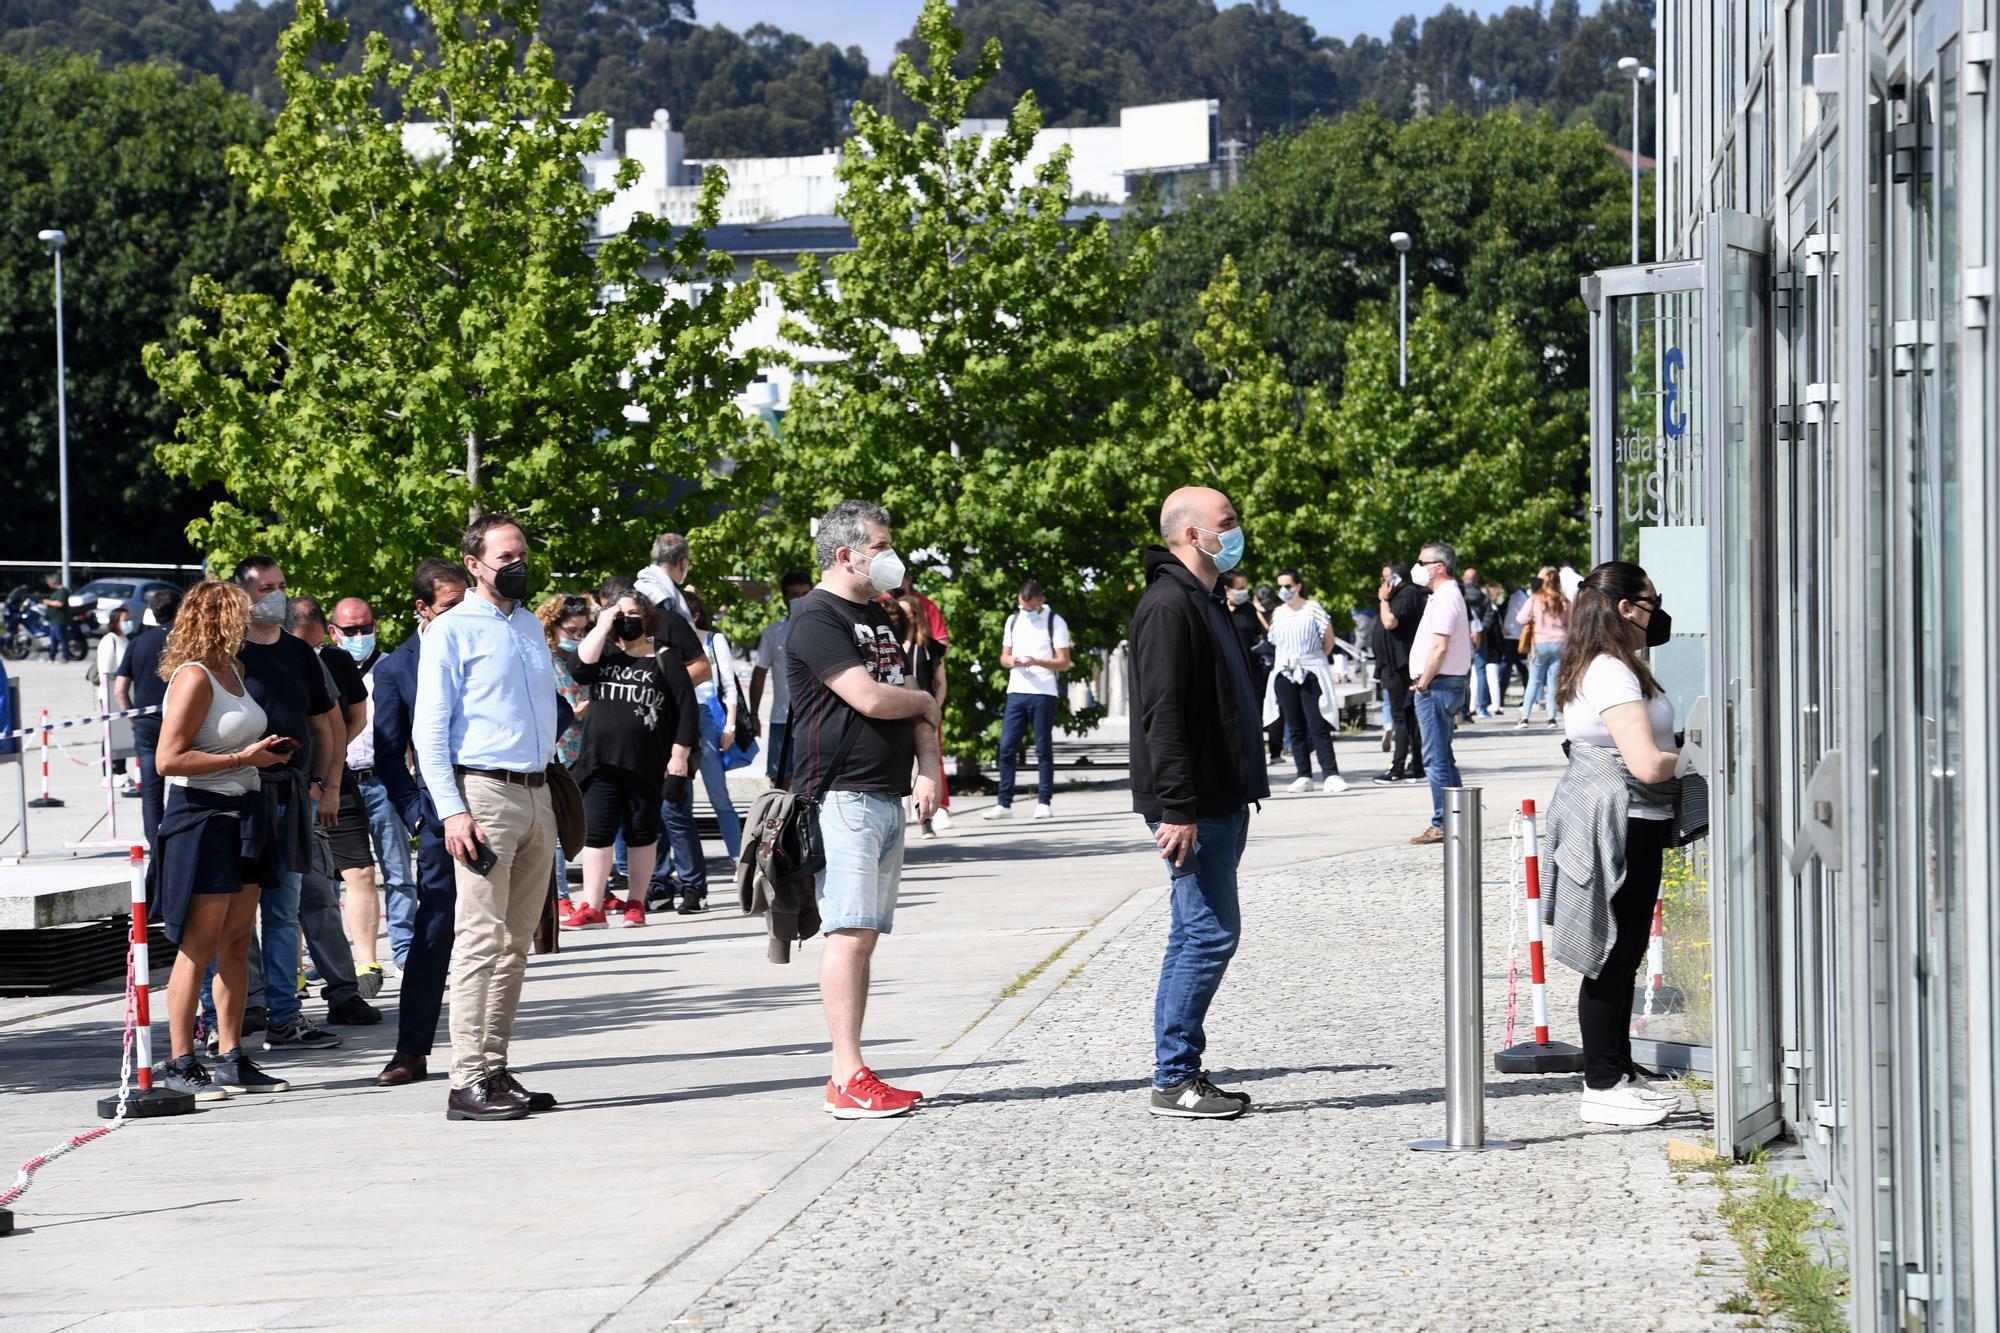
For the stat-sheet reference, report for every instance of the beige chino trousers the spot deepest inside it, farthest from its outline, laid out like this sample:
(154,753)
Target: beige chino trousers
(494,923)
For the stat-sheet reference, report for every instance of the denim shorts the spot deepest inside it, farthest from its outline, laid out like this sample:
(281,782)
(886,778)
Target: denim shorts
(862,832)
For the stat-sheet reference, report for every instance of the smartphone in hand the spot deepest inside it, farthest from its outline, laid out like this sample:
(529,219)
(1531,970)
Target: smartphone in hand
(482,861)
(285,745)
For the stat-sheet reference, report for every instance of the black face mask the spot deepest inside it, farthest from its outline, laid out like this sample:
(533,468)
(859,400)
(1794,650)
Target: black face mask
(511,581)
(629,627)
(1659,629)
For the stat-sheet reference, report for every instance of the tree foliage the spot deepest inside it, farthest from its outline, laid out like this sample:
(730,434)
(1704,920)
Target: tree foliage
(766,91)
(1475,451)
(129,163)
(971,373)
(446,345)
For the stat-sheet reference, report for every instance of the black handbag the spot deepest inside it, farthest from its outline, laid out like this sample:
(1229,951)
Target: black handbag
(1691,811)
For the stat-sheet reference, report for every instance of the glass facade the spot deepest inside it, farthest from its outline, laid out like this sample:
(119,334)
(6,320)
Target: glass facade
(1793,429)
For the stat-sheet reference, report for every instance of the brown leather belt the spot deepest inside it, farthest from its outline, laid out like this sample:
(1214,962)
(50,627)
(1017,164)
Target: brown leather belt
(503,775)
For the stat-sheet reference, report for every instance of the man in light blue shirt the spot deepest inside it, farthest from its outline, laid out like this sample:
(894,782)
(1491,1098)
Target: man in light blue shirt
(484,731)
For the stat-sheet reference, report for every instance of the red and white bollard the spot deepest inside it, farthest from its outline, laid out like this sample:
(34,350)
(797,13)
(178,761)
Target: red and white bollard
(146,1100)
(1540,1056)
(1656,958)
(44,801)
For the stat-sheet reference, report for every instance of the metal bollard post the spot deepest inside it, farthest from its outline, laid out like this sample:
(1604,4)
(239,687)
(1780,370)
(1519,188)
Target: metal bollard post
(1464,999)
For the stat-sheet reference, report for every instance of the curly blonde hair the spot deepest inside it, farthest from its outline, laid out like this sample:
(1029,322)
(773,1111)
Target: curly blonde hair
(550,613)
(208,628)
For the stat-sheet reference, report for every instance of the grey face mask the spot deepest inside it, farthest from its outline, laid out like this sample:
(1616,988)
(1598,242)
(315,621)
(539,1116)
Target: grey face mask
(270,609)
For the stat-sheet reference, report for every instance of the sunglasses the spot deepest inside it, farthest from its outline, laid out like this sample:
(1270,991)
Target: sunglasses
(368,628)
(1652,603)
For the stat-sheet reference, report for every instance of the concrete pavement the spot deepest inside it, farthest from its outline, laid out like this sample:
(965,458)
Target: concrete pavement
(689,1173)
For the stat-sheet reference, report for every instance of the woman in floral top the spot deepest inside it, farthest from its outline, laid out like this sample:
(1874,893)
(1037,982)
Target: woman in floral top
(565,620)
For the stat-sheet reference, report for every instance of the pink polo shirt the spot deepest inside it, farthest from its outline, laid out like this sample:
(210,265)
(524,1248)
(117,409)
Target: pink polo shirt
(1444,615)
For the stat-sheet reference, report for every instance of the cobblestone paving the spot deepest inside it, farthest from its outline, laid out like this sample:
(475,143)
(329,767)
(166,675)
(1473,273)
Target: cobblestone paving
(1038,1193)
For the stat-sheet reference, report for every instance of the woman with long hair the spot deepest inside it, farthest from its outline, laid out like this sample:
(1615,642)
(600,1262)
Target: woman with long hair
(215,850)
(1548,613)
(1609,827)
(565,618)
(1300,690)
(925,660)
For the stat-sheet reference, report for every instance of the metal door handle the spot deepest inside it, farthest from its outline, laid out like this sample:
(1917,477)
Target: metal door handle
(1819,831)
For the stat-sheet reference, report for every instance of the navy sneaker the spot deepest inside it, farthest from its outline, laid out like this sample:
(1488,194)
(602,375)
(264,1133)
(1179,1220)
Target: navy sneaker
(235,1073)
(301,1033)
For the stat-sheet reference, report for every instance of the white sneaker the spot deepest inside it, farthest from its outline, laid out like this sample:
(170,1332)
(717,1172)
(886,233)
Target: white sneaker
(1043,812)
(1300,784)
(998,812)
(1334,784)
(941,821)
(1652,1092)
(1620,1106)
(1522,725)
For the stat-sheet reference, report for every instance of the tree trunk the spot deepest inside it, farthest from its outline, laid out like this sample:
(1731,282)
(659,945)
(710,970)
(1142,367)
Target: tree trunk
(472,472)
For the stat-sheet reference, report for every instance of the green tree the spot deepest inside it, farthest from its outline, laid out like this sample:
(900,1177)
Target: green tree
(1264,442)
(1473,452)
(448,345)
(129,163)
(982,386)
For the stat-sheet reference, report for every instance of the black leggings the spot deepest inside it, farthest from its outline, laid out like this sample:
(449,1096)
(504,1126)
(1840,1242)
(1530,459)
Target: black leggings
(1604,1006)
(1298,704)
(1401,707)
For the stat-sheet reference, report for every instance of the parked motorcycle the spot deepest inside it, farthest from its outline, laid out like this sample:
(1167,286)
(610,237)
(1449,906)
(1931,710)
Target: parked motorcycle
(26,629)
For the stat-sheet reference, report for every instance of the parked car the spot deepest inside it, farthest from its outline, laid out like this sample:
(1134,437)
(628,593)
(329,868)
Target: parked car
(103,594)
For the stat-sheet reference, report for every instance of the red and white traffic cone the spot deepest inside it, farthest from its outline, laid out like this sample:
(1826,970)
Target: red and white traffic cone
(45,801)
(144,1101)
(1540,1056)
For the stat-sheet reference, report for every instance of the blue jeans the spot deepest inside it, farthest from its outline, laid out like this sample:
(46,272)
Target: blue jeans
(1542,676)
(1480,703)
(683,859)
(1437,716)
(1023,712)
(716,781)
(392,852)
(1200,942)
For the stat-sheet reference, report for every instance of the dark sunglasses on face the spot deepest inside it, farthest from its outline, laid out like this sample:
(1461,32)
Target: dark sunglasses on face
(368,628)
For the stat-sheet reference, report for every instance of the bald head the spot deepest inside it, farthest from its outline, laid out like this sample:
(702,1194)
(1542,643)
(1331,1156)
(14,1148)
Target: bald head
(1193,507)
(352,611)
(353,626)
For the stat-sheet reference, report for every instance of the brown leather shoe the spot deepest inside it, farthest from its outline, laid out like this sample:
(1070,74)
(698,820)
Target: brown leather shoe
(1433,834)
(403,1068)
(537,1101)
(488,1099)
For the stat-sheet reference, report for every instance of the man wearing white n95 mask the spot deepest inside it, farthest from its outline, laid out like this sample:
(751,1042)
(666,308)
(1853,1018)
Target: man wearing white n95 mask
(858,725)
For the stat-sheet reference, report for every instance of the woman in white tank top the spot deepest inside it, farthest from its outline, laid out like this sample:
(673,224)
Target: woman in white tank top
(213,852)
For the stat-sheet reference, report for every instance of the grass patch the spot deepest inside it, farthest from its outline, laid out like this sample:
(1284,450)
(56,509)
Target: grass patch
(1021,983)
(1793,1279)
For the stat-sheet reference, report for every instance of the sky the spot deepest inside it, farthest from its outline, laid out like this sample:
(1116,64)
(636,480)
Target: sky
(876,25)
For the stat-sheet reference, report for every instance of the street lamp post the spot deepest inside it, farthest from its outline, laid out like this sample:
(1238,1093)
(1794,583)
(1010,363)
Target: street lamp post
(1640,74)
(1401,240)
(55,240)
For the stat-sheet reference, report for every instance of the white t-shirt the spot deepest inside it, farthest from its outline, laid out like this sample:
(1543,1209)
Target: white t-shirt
(1607,683)
(771,657)
(723,659)
(1041,634)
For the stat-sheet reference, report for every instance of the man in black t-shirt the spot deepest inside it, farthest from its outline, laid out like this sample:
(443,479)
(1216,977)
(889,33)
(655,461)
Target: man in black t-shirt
(284,676)
(858,726)
(1401,608)
(138,685)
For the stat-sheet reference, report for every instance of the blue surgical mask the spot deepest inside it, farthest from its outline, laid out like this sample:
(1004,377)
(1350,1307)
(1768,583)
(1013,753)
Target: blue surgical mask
(567,645)
(358,646)
(1231,553)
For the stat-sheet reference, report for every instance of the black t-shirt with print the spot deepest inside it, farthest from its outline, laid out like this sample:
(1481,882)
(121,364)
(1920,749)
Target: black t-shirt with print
(286,680)
(830,634)
(640,707)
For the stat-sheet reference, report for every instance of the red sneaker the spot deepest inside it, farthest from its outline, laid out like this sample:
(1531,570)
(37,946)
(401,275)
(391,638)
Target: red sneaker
(584,917)
(866,1097)
(613,904)
(635,915)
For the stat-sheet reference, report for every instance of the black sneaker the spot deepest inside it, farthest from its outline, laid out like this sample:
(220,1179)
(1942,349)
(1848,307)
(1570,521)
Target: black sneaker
(656,901)
(369,980)
(691,905)
(353,1012)
(1196,1099)
(1243,1097)
(254,1018)
(302,1034)
(187,1075)
(235,1073)
(1388,777)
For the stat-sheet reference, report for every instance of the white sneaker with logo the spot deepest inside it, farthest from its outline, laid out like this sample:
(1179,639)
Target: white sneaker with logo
(1300,785)
(1043,812)
(1334,784)
(1620,1105)
(998,812)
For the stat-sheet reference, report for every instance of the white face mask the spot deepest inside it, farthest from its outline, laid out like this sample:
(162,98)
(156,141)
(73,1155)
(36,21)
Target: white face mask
(1420,574)
(885,571)
(1287,594)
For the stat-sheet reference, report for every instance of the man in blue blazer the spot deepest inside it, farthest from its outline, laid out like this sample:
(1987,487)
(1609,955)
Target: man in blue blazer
(438,586)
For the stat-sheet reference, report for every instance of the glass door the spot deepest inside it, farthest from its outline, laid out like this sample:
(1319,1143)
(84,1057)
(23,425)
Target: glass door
(1651,422)
(1733,739)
